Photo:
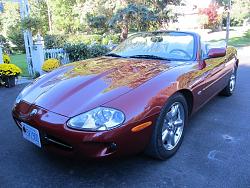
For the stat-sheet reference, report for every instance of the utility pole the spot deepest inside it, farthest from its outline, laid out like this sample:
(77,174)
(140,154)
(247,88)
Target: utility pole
(228,21)
(25,12)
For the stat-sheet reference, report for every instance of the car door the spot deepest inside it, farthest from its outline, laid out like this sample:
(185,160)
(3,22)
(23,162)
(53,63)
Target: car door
(208,78)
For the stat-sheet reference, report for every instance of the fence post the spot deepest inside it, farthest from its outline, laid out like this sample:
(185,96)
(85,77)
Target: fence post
(1,55)
(38,54)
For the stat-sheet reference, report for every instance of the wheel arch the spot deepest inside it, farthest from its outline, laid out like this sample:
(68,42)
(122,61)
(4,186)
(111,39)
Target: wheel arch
(189,99)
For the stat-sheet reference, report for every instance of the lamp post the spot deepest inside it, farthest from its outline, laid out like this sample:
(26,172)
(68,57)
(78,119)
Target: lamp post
(228,21)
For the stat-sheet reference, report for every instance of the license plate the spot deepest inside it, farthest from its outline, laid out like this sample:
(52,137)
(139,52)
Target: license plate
(31,134)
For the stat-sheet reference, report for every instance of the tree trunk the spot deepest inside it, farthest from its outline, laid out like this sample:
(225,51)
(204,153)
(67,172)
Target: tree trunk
(124,33)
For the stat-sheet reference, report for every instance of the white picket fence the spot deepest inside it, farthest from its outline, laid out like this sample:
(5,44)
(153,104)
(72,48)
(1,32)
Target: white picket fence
(57,53)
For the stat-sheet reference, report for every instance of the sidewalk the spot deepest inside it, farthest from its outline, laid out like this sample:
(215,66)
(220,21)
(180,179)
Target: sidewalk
(244,55)
(23,80)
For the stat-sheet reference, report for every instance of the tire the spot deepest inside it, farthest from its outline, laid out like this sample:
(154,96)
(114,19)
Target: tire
(162,144)
(229,89)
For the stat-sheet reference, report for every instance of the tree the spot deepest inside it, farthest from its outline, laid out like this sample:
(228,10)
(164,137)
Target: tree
(39,12)
(214,19)
(64,19)
(32,24)
(98,23)
(15,35)
(133,14)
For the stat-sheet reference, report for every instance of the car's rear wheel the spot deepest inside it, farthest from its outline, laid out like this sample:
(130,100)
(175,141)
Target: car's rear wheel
(229,89)
(169,129)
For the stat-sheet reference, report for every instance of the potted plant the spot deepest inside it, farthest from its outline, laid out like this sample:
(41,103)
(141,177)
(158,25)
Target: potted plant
(8,74)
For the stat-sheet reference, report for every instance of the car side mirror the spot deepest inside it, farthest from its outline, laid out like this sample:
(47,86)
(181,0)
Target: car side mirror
(216,52)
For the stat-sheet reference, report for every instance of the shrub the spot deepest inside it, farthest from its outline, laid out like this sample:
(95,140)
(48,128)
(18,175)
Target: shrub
(82,51)
(54,41)
(9,70)
(77,51)
(6,58)
(50,64)
(97,50)
(114,38)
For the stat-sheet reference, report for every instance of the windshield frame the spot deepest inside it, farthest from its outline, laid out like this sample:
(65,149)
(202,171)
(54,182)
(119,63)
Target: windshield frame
(195,43)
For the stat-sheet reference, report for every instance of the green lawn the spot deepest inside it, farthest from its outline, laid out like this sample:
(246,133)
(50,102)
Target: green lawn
(20,61)
(238,41)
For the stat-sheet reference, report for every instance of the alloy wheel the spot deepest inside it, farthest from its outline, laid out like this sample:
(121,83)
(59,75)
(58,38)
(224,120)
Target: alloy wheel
(173,125)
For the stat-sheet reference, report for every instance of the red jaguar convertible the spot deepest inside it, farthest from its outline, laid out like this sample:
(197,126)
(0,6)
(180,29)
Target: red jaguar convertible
(136,98)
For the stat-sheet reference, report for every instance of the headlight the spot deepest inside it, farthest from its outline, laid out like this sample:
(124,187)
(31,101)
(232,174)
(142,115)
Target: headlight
(98,119)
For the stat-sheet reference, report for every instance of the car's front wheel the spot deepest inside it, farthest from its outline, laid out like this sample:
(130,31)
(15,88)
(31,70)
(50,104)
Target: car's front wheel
(169,130)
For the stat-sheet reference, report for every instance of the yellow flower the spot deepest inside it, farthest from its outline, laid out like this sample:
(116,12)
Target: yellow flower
(9,70)
(50,64)
(6,58)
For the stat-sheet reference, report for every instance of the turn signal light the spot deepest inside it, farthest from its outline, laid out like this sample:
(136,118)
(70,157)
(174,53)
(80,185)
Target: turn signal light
(141,126)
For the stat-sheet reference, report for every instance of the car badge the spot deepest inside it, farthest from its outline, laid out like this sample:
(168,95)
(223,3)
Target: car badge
(33,112)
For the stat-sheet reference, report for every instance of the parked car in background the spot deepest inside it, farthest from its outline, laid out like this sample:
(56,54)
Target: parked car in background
(136,98)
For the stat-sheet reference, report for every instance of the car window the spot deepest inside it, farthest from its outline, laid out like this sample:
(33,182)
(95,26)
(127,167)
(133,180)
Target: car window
(169,45)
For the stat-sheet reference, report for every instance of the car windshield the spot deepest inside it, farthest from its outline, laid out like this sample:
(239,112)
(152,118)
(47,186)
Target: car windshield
(161,45)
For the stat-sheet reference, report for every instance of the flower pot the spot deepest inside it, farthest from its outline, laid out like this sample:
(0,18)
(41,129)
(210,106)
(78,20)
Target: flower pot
(9,81)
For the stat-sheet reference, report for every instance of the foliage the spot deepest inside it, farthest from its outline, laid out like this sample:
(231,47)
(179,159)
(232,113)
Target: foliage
(214,19)
(98,23)
(32,24)
(6,58)
(50,64)
(82,51)
(137,16)
(54,41)
(97,50)
(9,70)
(240,11)
(115,39)
(77,51)
(4,43)
(64,18)
(10,17)
(72,20)
(15,35)
(58,41)
(39,11)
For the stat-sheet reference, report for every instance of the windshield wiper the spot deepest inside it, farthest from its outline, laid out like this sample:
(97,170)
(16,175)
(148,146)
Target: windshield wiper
(149,57)
(113,55)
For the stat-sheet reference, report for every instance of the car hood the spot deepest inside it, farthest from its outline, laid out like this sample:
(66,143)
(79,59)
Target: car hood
(81,86)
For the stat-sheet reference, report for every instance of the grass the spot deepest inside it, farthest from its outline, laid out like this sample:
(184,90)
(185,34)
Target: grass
(238,41)
(20,61)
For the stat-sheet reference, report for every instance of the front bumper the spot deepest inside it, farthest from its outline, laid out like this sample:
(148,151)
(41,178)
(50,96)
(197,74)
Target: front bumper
(58,138)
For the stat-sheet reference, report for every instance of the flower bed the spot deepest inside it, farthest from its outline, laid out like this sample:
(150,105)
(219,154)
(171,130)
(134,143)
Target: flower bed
(50,64)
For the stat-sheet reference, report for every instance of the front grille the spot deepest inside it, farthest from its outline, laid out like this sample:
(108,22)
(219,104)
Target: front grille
(57,143)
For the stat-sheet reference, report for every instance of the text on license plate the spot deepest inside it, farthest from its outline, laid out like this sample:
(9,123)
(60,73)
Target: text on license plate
(31,134)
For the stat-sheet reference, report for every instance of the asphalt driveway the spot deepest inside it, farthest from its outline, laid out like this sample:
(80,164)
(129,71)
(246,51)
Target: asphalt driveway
(215,152)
